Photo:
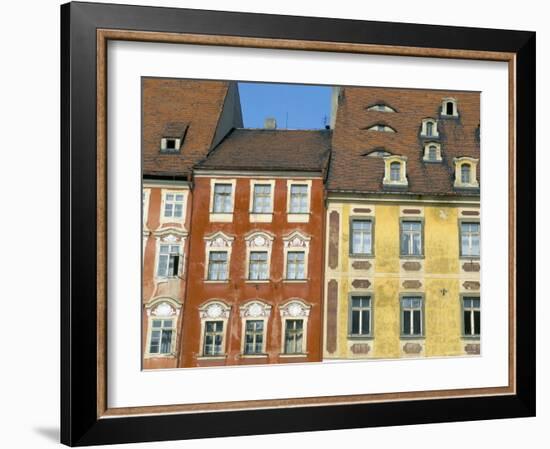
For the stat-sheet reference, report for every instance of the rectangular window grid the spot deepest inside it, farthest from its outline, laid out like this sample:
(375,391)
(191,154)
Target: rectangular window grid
(469,239)
(471,316)
(258,265)
(411,316)
(217,266)
(261,202)
(254,337)
(222,198)
(295,265)
(213,338)
(173,205)
(294,334)
(361,315)
(161,337)
(168,262)
(298,199)
(411,238)
(361,231)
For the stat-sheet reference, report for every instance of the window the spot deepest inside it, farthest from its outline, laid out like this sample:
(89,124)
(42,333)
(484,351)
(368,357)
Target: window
(258,269)
(432,153)
(381,107)
(168,261)
(465,175)
(160,341)
(411,316)
(395,171)
(222,198)
(299,199)
(170,145)
(360,316)
(411,238)
(213,338)
(173,205)
(469,239)
(294,333)
(361,237)
(262,199)
(217,266)
(381,128)
(429,129)
(471,316)
(295,267)
(449,107)
(254,337)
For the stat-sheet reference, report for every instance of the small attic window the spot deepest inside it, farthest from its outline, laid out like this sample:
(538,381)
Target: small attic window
(172,137)
(378,152)
(429,128)
(381,128)
(381,107)
(449,107)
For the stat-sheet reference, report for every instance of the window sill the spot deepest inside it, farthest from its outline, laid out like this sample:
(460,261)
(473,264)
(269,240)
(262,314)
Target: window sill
(471,338)
(293,356)
(469,257)
(221,217)
(302,217)
(260,217)
(295,281)
(167,279)
(409,257)
(360,337)
(257,281)
(211,281)
(412,337)
(254,356)
(362,256)
(159,356)
(212,357)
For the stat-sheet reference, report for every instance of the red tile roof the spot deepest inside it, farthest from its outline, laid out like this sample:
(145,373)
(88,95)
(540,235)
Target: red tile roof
(351,170)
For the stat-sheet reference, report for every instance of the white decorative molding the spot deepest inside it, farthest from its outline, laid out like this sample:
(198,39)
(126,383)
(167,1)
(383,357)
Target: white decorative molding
(171,234)
(214,310)
(163,310)
(259,239)
(296,240)
(295,308)
(255,309)
(163,307)
(219,240)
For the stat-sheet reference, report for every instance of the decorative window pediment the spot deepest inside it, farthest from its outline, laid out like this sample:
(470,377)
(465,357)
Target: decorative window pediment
(215,309)
(219,240)
(296,240)
(295,308)
(259,239)
(255,309)
(170,235)
(163,307)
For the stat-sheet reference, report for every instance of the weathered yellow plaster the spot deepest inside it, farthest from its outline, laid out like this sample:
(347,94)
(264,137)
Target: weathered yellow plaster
(441,239)
(386,239)
(386,318)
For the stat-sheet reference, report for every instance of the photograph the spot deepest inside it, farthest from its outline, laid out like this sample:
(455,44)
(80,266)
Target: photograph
(295,223)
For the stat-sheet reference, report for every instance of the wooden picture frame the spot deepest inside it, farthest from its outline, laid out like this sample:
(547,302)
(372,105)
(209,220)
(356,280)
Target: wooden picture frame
(86,29)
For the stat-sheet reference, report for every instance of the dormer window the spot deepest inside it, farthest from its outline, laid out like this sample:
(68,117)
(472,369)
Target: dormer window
(381,107)
(465,172)
(378,153)
(432,152)
(449,107)
(429,128)
(381,128)
(395,173)
(172,137)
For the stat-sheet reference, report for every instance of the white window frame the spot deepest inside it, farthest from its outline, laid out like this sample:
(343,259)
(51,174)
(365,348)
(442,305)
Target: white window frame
(259,241)
(164,193)
(298,217)
(293,242)
(261,217)
(472,162)
(162,308)
(254,310)
(145,195)
(164,145)
(171,238)
(437,146)
(472,310)
(294,309)
(222,217)
(411,310)
(214,310)
(387,171)
(444,107)
(217,241)
(464,222)
(424,130)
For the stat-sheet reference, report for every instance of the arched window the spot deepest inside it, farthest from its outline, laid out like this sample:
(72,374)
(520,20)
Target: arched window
(465,175)
(395,171)
(432,153)
(450,108)
(429,129)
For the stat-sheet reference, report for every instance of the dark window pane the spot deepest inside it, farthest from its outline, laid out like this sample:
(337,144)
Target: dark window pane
(365,322)
(406,322)
(416,322)
(467,323)
(477,323)
(355,322)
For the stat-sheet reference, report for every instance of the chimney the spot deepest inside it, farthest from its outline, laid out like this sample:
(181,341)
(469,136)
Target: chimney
(270,123)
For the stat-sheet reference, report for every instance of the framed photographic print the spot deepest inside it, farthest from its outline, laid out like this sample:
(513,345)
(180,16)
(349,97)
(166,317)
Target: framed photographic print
(278,224)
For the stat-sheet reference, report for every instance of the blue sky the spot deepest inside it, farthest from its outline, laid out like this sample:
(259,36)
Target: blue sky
(293,106)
